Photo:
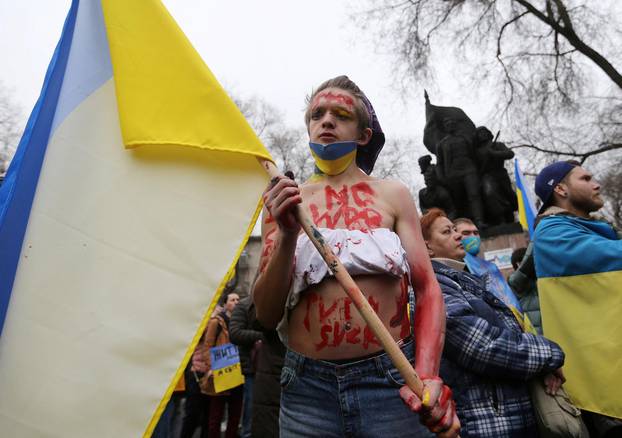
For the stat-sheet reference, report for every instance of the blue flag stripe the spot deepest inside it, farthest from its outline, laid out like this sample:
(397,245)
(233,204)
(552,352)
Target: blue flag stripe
(18,189)
(530,211)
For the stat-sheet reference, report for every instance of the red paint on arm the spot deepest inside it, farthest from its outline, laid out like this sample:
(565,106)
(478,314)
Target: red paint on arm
(268,249)
(429,321)
(429,324)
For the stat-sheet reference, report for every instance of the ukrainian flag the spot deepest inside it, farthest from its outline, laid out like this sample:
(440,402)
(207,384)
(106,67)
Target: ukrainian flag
(579,268)
(130,197)
(526,208)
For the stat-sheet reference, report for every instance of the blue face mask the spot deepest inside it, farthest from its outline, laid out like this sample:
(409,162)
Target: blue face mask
(471,244)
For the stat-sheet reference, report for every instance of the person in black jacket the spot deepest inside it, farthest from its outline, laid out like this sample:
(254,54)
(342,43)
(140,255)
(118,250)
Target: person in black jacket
(267,385)
(242,335)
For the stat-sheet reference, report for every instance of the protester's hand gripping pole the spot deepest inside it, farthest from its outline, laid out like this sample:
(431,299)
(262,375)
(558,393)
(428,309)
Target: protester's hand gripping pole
(350,287)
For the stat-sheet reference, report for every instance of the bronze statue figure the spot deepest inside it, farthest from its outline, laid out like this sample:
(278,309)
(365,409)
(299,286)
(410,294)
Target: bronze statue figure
(500,199)
(434,194)
(469,178)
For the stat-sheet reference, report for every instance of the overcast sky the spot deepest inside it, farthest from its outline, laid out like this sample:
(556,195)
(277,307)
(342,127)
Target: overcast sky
(275,49)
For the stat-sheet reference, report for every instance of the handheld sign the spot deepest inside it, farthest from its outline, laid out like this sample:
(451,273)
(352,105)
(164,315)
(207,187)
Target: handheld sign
(226,367)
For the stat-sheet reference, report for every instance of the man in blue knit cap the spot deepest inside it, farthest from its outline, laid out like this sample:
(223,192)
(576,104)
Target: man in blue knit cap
(578,259)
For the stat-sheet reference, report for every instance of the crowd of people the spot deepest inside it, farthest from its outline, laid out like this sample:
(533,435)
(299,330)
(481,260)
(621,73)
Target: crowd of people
(313,366)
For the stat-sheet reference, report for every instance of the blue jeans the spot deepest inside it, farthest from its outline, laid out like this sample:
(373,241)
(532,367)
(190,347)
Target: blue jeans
(358,399)
(247,410)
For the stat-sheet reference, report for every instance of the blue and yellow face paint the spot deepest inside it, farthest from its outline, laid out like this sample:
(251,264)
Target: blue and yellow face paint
(333,158)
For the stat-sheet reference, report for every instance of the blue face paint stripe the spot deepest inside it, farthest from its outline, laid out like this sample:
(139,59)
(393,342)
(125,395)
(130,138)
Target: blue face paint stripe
(333,151)
(18,190)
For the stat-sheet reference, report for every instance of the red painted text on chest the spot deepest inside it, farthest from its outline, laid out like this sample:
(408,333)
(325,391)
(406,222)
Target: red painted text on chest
(352,205)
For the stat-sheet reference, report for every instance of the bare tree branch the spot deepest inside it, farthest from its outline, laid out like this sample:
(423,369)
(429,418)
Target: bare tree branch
(568,32)
(539,63)
(581,155)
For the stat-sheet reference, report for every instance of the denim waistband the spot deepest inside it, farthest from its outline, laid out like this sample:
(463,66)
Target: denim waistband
(375,365)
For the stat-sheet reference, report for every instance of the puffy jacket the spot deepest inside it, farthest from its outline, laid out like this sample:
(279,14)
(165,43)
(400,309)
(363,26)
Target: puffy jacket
(487,359)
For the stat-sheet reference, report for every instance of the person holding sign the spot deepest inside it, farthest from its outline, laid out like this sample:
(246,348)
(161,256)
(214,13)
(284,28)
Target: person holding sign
(336,379)
(218,358)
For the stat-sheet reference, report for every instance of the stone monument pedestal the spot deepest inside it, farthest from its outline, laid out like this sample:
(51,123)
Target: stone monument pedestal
(499,242)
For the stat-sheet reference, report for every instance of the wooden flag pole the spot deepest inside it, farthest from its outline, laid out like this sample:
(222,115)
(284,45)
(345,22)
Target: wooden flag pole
(354,292)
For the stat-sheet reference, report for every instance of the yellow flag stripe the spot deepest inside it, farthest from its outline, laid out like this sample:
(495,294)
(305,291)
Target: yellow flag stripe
(180,371)
(589,329)
(165,92)
(522,217)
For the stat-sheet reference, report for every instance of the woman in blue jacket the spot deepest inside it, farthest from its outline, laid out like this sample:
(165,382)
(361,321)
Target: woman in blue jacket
(487,358)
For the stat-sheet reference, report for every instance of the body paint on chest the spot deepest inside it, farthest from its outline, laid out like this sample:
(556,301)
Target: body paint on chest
(356,215)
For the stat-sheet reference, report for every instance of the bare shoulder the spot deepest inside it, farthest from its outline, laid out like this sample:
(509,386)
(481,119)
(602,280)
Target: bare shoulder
(394,190)
(397,198)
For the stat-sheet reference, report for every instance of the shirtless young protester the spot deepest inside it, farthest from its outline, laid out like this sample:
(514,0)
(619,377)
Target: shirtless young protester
(336,379)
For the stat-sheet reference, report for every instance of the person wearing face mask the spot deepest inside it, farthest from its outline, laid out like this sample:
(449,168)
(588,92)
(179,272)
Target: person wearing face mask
(487,357)
(488,271)
(578,263)
(336,378)
(471,240)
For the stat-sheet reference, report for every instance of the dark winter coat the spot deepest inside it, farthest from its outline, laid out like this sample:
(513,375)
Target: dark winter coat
(241,333)
(267,385)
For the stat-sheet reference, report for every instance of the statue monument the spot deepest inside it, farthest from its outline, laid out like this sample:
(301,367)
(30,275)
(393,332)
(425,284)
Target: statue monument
(469,178)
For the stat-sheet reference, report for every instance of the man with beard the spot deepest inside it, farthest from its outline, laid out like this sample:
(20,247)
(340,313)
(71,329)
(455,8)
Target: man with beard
(578,258)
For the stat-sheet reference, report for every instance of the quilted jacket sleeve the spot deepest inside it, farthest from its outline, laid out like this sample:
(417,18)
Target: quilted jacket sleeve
(484,348)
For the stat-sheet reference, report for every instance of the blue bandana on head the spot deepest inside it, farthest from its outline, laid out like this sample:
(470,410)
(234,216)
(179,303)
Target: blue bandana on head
(471,244)
(333,158)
